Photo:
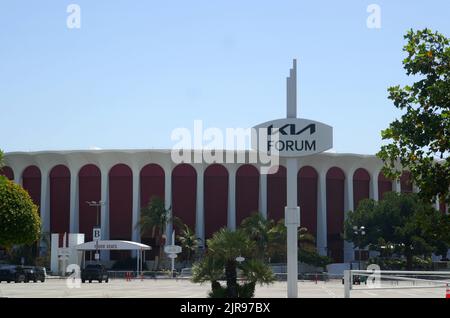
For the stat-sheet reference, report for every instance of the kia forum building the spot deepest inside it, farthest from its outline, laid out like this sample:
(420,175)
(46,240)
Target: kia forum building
(206,197)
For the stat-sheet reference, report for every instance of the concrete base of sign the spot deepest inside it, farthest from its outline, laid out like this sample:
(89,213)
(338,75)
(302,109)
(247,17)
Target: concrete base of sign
(64,254)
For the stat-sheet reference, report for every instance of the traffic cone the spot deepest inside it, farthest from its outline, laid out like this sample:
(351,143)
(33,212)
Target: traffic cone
(447,293)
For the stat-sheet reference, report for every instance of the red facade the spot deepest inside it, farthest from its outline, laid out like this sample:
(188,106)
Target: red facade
(7,172)
(184,194)
(89,182)
(335,213)
(276,194)
(307,198)
(384,185)
(406,182)
(361,186)
(120,202)
(152,183)
(31,181)
(215,198)
(60,199)
(247,192)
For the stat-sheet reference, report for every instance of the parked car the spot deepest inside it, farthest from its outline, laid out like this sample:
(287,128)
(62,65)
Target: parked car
(34,273)
(12,273)
(94,272)
(358,279)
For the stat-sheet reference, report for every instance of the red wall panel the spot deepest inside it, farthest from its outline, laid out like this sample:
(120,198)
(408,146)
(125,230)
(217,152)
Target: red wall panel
(276,194)
(152,183)
(361,186)
(384,185)
(31,181)
(406,182)
(89,184)
(335,213)
(307,198)
(215,198)
(184,194)
(247,192)
(60,199)
(7,172)
(120,202)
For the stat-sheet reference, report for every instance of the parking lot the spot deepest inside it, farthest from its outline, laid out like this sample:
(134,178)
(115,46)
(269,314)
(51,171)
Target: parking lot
(167,288)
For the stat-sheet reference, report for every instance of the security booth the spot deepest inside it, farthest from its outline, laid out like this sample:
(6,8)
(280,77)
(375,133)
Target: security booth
(114,245)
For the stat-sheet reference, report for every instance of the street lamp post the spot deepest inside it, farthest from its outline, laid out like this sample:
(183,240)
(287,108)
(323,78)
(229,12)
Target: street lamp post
(96,204)
(359,232)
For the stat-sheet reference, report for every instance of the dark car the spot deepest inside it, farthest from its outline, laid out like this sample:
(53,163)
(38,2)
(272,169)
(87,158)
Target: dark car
(12,273)
(94,272)
(34,273)
(358,279)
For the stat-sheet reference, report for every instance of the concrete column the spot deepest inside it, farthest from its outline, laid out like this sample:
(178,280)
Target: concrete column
(396,186)
(374,186)
(17,176)
(200,213)
(322,239)
(349,206)
(74,204)
(263,194)
(104,212)
(292,222)
(135,229)
(168,201)
(436,204)
(45,201)
(232,198)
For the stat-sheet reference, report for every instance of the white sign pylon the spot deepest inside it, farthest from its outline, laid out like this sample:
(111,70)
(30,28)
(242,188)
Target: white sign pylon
(292,211)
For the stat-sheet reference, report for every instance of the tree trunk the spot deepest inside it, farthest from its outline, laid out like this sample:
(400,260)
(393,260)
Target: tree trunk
(409,261)
(231,276)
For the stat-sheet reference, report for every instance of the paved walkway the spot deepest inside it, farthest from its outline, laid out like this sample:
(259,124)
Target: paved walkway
(166,288)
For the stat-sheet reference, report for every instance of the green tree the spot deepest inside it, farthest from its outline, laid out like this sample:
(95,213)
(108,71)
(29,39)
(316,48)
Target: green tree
(402,222)
(2,162)
(223,249)
(189,242)
(420,139)
(154,220)
(19,217)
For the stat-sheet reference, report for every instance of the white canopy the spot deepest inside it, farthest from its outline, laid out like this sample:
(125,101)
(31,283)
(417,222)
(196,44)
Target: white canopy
(111,245)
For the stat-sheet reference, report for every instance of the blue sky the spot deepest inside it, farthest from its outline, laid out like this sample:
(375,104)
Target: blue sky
(136,70)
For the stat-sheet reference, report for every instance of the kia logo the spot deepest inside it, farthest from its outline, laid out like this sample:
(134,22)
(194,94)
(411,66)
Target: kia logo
(289,129)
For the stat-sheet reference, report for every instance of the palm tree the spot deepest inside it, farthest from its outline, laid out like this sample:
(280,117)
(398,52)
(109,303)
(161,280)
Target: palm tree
(209,269)
(278,240)
(154,220)
(258,229)
(223,249)
(189,241)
